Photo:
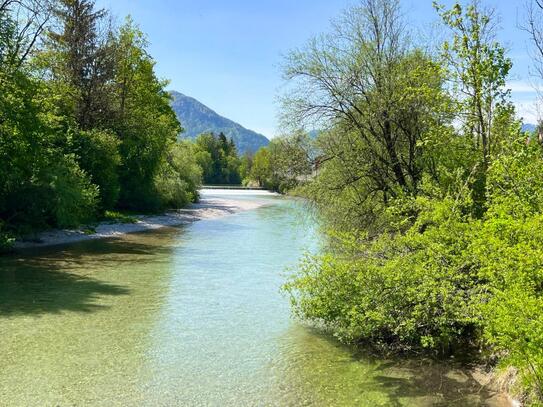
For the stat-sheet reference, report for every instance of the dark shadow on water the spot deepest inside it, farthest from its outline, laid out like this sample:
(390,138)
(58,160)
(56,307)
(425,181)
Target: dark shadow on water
(61,279)
(148,242)
(36,290)
(448,382)
(430,379)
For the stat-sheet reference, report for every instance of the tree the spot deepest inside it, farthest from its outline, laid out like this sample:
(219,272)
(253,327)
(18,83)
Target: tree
(82,58)
(261,170)
(379,98)
(293,156)
(21,24)
(218,159)
(129,50)
(245,166)
(284,164)
(41,183)
(146,125)
(84,122)
(479,67)
(97,153)
(179,176)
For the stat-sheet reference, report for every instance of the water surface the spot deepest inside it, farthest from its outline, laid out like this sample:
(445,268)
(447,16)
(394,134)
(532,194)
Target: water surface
(192,316)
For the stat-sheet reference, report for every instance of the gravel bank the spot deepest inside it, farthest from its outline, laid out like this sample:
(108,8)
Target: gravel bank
(210,207)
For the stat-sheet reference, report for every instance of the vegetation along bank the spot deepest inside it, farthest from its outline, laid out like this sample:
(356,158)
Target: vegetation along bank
(428,190)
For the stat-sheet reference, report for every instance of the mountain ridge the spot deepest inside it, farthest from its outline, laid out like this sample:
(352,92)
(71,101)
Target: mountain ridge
(197,118)
(529,127)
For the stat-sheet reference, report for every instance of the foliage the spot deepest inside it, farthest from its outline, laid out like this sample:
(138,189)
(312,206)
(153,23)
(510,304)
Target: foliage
(284,164)
(218,159)
(6,240)
(82,59)
(74,197)
(85,124)
(405,291)
(478,67)
(245,165)
(179,176)
(98,155)
(41,184)
(146,125)
(381,125)
(449,280)
(509,249)
(261,170)
(118,217)
(429,192)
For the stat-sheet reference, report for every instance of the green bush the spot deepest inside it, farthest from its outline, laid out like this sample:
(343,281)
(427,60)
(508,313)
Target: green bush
(179,177)
(447,280)
(402,291)
(41,184)
(73,198)
(510,255)
(6,240)
(97,154)
(118,217)
(218,159)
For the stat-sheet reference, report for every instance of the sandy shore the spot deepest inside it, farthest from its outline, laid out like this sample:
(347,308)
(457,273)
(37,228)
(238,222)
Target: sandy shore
(213,204)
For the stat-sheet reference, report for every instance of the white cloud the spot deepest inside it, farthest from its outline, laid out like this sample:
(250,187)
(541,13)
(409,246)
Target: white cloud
(525,95)
(529,111)
(524,87)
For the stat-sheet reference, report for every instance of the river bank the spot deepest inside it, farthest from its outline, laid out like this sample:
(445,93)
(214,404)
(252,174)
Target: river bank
(213,204)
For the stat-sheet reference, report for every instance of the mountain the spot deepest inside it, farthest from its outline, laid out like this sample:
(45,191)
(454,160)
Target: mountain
(196,118)
(529,127)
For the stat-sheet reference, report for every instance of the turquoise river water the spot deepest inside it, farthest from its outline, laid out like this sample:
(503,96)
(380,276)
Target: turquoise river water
(192,316)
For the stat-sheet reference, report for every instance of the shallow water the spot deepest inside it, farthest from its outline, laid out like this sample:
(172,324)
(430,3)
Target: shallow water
(191,316)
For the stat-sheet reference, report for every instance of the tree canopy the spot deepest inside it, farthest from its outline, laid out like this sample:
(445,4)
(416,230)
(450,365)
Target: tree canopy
(425,185)
(85,124)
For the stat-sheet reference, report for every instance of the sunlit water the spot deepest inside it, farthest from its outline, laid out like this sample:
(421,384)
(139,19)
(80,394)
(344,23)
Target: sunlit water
(191,316)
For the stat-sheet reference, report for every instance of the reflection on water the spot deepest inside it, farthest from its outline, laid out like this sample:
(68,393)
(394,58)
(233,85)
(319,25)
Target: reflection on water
(190,316)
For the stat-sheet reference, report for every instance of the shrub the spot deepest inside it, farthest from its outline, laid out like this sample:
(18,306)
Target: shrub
(6,240)
(98,155)
(440,279)
(401,291)
(179,177)
(73,197)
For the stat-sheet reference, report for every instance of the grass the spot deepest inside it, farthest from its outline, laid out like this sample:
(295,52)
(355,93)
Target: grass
(89,230)
(119,217)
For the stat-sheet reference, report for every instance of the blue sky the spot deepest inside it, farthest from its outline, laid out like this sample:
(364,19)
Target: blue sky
(227,53)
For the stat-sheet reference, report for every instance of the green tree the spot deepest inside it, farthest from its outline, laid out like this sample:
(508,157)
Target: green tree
(246,163)
(261,170)
(218,159)
(479,66)
(82,59)
(381,100)
(146,126)
(83,120)
(456,262)
(98,155)
(41,184)
(284,164)
(179,176)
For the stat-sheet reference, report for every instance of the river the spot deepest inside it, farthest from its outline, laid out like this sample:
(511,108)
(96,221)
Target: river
(192,316)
